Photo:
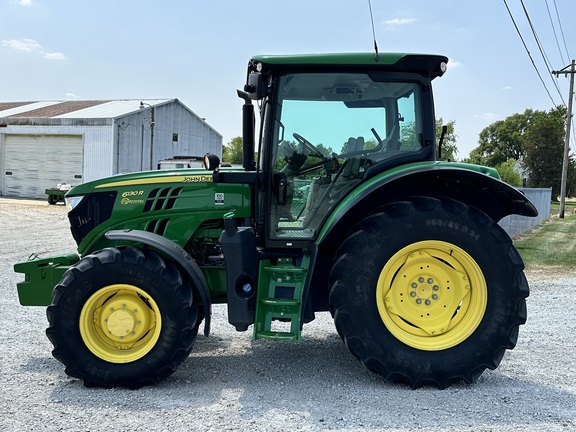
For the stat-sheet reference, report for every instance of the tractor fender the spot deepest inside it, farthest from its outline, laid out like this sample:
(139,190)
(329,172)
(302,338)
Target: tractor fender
(178,254)
(467,184)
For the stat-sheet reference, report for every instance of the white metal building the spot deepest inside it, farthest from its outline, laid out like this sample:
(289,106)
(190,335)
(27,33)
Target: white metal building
(46,143)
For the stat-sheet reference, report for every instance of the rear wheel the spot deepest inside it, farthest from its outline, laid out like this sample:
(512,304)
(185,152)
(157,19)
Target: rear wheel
(122,317)
(428,291)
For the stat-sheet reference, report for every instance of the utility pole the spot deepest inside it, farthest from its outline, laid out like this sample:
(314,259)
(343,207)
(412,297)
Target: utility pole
(565,72)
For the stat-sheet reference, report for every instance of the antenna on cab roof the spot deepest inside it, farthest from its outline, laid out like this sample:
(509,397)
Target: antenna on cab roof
(376,56)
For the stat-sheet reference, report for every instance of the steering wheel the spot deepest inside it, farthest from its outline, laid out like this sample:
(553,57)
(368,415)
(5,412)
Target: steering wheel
(307,144)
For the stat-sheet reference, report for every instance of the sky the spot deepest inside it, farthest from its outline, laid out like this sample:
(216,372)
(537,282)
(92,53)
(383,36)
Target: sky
(197,51)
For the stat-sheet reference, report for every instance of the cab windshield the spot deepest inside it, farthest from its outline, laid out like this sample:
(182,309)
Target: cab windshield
(329,129)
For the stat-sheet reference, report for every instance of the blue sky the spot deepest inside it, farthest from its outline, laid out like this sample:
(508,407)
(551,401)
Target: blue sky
(197,51)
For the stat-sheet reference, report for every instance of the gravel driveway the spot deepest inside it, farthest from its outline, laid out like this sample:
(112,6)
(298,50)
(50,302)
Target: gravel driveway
(231,383)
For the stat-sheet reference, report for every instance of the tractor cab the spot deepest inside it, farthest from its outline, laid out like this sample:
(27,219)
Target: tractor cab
(327,128)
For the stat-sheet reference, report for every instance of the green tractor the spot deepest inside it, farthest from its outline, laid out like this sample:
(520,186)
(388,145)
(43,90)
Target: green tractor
(346,210)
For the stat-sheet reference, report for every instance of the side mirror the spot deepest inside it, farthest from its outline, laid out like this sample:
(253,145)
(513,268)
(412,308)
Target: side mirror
(255,86)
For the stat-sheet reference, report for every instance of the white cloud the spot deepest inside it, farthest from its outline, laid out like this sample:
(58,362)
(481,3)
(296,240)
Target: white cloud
(488,116)
(23,2)
(507,88)
(27,45)
(71,96)
(453,64)
(30,45)
(396,22)
(55,56)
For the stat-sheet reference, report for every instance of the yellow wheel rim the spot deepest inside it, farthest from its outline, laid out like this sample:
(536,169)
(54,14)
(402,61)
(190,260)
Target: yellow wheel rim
(120,323)
(431,295)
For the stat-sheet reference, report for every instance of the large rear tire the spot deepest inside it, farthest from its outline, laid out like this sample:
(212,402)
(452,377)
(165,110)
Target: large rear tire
(428,292)
(122,318)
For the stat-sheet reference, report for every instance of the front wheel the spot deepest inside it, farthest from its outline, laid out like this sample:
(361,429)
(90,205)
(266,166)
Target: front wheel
(122,317)
(428,291)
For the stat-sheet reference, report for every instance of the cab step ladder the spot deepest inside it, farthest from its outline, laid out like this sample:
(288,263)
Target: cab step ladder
(279,300)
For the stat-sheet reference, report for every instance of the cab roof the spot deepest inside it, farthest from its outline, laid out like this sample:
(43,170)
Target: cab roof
(427,64)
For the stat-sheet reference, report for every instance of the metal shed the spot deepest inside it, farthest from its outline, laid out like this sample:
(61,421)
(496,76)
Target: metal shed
(46,143)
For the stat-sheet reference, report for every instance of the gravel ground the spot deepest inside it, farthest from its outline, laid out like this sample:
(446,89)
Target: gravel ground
(231,383)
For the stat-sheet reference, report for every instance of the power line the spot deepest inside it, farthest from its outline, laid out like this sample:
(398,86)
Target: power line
(528,52)
(555,35)
(541,48)
(561,29)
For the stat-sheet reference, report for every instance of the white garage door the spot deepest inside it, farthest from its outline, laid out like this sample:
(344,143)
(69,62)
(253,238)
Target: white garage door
(33,163)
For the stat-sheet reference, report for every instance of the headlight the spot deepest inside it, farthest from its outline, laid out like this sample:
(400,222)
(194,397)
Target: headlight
(73,201)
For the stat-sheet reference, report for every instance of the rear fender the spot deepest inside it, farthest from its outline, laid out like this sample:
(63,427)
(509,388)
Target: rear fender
(472,187)
(179,255)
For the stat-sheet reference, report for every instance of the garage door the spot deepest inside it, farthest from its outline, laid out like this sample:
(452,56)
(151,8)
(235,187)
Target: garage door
(33,163)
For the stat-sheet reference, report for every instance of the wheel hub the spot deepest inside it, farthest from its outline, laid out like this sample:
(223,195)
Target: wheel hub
(425,291)
(432,303)
(120,323)
(124,319)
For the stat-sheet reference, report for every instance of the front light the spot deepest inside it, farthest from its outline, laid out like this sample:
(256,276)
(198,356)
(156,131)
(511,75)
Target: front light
(73,201)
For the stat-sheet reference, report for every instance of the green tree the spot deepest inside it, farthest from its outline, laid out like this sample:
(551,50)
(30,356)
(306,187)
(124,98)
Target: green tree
(571,179)
(544,151)
(232,152)
(449,148)
(508,172)
(504,139)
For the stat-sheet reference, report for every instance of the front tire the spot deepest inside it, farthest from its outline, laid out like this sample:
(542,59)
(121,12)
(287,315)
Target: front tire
(122,318)
(428,292)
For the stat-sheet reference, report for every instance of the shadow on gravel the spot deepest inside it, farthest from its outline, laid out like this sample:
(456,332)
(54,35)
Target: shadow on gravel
(320,384)
(42,365)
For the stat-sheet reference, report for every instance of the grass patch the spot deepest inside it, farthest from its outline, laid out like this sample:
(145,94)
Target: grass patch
(552,243)
(569,207)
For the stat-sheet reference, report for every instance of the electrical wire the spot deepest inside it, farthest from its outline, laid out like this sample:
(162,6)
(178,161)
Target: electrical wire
(555,35)
(542,51)
(561,29)
(528,52)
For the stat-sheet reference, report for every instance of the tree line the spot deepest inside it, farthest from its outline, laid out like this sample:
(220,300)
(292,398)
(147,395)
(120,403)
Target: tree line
(528,149)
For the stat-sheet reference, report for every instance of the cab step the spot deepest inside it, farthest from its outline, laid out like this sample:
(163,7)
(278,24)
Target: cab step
(279,300)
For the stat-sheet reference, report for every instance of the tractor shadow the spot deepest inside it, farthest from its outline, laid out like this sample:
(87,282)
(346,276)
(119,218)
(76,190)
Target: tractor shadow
(241,380)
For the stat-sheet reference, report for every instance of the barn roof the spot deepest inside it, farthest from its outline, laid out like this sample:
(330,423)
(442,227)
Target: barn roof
(76,109)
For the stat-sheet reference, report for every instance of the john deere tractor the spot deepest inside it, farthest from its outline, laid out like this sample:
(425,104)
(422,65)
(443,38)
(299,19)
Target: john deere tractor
(346,209)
